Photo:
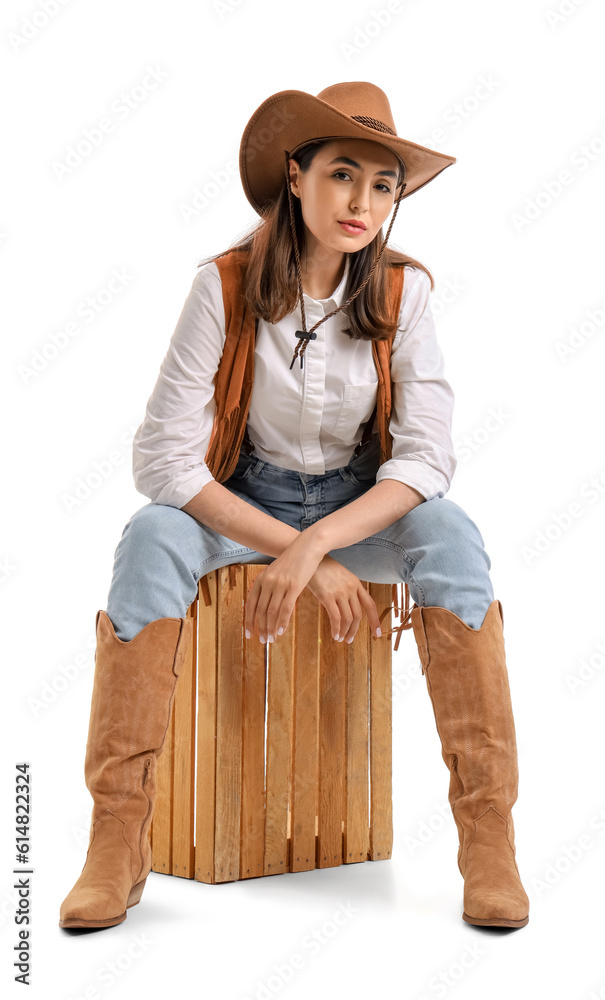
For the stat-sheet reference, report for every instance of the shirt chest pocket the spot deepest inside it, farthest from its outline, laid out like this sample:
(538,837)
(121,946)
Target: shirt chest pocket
(358,401)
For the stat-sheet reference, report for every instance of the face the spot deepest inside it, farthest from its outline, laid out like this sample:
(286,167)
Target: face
(348,179)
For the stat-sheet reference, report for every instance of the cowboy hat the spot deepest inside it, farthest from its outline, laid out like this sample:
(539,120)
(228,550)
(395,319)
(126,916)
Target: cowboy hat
(291,118)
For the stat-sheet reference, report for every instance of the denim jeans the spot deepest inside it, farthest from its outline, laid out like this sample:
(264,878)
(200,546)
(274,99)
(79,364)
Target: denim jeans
(435,548)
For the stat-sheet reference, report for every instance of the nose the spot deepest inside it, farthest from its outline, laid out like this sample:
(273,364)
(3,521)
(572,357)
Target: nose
(360,199)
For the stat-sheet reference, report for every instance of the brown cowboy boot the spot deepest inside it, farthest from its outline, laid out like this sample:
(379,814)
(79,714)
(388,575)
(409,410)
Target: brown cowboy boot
(134,683)
(467,680)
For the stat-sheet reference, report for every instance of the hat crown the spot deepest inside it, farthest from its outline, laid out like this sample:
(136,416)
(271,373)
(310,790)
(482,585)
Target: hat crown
(361,100)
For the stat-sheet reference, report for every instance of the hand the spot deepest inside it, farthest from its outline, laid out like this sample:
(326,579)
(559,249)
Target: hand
(344,598)
(272,597)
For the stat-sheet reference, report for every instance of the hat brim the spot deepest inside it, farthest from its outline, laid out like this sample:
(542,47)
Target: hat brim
(291,118)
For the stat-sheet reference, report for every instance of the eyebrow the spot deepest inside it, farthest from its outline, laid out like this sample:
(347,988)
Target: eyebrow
(352,163)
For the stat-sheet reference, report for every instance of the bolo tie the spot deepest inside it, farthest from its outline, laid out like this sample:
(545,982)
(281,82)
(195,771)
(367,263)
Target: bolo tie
(304,335)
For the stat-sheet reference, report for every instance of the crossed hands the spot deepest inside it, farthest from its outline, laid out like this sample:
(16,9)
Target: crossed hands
(272,598)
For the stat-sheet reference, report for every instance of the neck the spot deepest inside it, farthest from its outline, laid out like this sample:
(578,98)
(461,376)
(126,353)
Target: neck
(322,272)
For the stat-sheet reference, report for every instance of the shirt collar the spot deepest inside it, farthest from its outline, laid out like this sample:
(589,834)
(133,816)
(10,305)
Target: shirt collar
(338,295)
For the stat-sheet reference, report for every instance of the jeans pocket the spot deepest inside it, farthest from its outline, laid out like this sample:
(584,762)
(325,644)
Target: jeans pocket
(243,467)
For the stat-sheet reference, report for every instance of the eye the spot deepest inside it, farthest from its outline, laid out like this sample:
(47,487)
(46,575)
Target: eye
(343,173)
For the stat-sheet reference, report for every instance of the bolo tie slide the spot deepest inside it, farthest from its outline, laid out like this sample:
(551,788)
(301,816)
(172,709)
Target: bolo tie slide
(302,335)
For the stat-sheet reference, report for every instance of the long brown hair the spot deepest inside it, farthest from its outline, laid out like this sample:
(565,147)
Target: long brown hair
(271,286)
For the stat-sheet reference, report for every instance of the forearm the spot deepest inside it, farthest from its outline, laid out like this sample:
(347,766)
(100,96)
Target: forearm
(219,509)
(380,507)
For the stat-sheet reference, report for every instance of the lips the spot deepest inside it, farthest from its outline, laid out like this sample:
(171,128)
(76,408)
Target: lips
(353,230)
(352,222)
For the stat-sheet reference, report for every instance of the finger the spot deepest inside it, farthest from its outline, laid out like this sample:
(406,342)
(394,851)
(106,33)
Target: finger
(250,611)
(345,616)
(355,615)
(369,606)
(267,613)
(333,613)
(285,614)
(261,614)
(272,613)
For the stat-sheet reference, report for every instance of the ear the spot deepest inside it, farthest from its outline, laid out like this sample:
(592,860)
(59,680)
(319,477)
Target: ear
(294,173)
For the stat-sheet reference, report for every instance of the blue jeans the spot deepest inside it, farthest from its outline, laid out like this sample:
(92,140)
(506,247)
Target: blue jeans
(435,548)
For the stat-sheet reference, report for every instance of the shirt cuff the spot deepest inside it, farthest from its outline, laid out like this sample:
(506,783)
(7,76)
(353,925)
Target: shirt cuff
(177,494)
(418,475)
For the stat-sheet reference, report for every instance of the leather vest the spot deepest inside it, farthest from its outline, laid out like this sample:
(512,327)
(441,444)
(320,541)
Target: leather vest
(235,375)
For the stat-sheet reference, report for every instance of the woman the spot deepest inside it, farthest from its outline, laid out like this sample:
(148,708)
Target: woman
(250,451)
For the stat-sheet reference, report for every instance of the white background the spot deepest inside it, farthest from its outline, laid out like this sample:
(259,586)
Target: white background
(528,86)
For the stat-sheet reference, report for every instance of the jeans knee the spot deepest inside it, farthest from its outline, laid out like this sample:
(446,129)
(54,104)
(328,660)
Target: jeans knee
(450,519)
(155,523)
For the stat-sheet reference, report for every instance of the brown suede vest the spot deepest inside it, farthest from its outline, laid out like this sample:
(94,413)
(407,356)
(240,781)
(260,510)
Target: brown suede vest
(235,375)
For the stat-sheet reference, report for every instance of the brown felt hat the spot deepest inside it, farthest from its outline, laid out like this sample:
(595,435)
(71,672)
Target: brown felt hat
(291,118)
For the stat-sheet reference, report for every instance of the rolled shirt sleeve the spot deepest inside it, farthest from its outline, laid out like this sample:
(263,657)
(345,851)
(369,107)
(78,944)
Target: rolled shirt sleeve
(423,454)
(169,446)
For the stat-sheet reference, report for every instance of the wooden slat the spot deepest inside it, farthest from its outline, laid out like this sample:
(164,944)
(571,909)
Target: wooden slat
(305,760)
(184,760)
(252,846)
(381,803)
(357,817)
(332,762)
(229,724)
(206,729)
(279,752)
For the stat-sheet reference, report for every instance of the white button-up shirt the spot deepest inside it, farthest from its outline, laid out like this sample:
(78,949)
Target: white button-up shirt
(310,419)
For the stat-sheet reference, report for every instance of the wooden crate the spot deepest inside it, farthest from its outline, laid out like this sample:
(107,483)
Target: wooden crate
(278,756)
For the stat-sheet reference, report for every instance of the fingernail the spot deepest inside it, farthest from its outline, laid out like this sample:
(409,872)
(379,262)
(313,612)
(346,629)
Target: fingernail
(351,639)
(336,637)
(280,630)
(342,638)
(247,633)
(262,638)
(271,638)
(378,632)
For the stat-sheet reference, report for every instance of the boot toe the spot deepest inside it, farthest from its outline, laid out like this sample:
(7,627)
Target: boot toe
(496,906)
(89,907)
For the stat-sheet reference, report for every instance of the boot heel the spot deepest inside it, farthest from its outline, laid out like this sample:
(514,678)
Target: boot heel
(135,893)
